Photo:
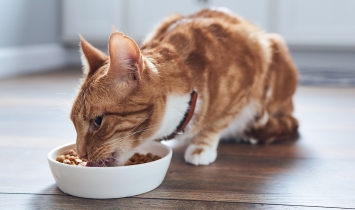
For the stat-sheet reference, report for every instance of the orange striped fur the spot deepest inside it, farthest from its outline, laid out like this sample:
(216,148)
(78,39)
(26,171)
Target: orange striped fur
(245,79)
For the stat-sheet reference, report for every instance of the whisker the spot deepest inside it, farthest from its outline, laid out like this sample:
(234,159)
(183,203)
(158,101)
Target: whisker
(103,162)
(152,77)
(128,132)
(144,119)
(115,141)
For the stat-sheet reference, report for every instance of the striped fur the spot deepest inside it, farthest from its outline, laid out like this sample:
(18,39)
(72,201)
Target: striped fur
(245,79)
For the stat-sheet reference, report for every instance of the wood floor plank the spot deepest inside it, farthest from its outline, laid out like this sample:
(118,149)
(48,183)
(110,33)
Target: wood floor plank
(288,180)
(317,170)
(23,201)
(232,178)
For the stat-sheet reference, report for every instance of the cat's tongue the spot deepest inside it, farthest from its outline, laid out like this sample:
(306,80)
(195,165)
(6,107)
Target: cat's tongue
(89,164)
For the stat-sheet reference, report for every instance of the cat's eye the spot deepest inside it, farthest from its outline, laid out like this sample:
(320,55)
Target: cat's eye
(98,121)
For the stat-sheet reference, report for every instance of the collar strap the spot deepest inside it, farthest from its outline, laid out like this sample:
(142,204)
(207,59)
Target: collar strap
(187,117)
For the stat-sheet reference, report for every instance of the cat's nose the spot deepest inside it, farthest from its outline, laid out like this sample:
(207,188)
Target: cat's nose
(83,155)
(81,151)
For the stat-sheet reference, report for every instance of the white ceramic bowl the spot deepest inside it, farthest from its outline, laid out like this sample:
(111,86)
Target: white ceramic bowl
(110,182)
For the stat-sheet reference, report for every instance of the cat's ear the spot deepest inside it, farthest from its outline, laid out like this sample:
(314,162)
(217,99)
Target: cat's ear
(91,58)
(125,58)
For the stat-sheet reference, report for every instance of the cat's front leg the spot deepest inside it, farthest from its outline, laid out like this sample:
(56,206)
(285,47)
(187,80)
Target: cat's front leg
(203,148)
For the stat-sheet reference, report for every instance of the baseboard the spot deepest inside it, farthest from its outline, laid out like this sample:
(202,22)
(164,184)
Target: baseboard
(325,67)
(316,66)
(324,59)
(31,59)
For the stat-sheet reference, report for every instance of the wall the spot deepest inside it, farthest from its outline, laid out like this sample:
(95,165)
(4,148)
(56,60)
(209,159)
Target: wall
(320,33)
(30,36)
(24,22)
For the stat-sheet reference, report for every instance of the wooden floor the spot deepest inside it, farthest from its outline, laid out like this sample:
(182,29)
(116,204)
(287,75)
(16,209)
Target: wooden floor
(315,172)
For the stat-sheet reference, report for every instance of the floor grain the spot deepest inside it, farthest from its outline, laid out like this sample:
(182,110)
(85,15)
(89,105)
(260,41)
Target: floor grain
(26,201)
(314,172)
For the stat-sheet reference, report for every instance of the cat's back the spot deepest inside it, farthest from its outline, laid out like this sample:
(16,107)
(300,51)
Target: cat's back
(206,33)
(216,22)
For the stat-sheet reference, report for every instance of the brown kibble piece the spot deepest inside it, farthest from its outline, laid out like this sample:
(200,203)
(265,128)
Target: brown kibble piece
(133,159)
(78,161)
(66,161)
(82,164)
(156,157)
(140,159)
(149,158)
(60,158)
(70,157)
(72,152)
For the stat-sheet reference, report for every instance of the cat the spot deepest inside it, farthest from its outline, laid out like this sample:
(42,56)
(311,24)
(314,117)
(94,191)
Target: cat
(199,78)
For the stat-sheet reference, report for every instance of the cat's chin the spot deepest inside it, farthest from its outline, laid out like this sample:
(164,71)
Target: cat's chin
(117,160)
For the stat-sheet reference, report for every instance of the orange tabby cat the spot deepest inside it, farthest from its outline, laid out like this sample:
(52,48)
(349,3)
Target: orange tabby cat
(205,76)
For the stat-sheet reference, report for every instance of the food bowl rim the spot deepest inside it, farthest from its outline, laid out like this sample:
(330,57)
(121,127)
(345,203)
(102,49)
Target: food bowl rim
(53,161)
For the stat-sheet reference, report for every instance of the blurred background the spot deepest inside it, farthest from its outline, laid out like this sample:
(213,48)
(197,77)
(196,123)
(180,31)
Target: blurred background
(40,71)
(42,35)
(40,62)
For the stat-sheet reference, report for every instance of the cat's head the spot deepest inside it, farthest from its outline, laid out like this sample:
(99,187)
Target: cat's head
(119,103)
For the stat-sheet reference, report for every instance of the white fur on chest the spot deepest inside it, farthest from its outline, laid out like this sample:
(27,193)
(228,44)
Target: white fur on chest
(242,120)
(176,107)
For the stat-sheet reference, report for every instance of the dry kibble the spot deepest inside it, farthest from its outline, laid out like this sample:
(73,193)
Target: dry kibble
(70,157)
(72,152)
(140,159)
(60,158)
(134,159)
(82,163)
(156,157)
(66,161)
(78,160)
(149,158)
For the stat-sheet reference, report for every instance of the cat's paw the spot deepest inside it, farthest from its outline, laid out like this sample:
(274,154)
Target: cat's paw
(250,140)
(200,154)
(254,141)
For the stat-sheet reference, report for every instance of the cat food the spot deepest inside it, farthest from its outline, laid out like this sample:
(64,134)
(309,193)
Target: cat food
(71,158)
(140,158)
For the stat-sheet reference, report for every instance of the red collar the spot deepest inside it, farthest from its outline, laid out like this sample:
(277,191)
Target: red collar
(187,117)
